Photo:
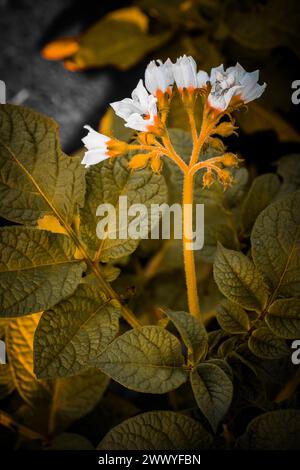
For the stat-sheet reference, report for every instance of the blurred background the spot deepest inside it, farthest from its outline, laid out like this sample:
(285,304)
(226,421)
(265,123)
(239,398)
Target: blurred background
(102,63)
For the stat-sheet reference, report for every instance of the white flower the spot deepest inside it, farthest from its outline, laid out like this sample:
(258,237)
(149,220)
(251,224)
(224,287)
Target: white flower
(139,111)
(185,73)
(159,77)
(96,145)
(233,82)
(202,79)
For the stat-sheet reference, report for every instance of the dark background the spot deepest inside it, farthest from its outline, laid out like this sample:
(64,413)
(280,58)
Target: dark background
(71,98)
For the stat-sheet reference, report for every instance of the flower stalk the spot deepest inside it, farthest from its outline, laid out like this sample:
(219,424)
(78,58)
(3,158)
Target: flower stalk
(188,253)
(147,111)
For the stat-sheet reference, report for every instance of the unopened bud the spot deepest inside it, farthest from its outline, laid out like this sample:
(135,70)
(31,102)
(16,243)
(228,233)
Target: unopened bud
(139,161)
(216,144)
(225,129)
(225,178)
(229,159)
(208,179)
(156,164)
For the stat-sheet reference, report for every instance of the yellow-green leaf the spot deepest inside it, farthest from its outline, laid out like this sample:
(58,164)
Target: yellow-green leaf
(146,359)
(263,343)
(213,392)
(36,177)
(105,184)
(283,318)
(60,401)
(74,397)
(72,335)
(192,332)
(232,318)
(278,430)
(113,41)
(19,339)
(157,430)
(238,279)
(263,190)
(275,243)
(289,169)
(37,269)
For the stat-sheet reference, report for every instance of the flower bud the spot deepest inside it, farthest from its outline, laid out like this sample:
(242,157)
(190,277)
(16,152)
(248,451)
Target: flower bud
(225,178)
(225,129)
(216,144)
(229,159)
(208,179)
(156,164)
(139,161)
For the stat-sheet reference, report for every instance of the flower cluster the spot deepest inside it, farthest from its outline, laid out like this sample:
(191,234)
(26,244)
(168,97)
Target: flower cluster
(222,91)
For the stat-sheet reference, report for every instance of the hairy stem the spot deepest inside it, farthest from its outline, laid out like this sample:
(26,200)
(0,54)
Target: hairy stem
(188,253)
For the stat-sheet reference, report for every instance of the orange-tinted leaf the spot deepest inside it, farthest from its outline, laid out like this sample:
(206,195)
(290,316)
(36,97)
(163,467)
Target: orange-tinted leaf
(60,49)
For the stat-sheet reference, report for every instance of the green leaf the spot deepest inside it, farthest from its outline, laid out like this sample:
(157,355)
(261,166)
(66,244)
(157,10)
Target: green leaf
(283,318)
(213,234)
(263,190)
(232,318)
(72,335)
(288,168)
(264,344)
(193,333)
(238,279)
(213,392)
(147,359)
(275,242)
(227,346)
(37,269)
(157,430)
(36,177)
(19,342)
(74,397)
(222,364)
(112,42)
(61,401)
(278,430)
(105,184)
